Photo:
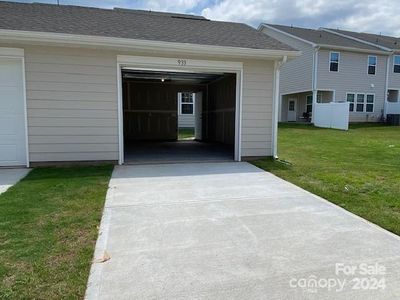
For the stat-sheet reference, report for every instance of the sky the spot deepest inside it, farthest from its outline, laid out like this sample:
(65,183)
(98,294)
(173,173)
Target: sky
(376,16)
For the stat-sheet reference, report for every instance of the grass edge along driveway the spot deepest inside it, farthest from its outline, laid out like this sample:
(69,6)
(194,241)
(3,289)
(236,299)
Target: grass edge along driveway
(358,169)
(48,229)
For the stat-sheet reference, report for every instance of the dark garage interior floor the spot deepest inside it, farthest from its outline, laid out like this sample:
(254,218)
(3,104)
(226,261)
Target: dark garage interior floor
(176,152)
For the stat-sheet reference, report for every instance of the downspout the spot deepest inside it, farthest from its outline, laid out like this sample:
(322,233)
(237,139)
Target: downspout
(314,82)
(275,106)
(389,58)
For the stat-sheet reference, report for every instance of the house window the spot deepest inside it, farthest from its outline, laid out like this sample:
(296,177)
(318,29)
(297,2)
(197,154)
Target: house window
(350,99)
(309,101)
(309,104)
(334,62)
(396,62)
(360,103)
(370,103)
(186,103)
(372,64)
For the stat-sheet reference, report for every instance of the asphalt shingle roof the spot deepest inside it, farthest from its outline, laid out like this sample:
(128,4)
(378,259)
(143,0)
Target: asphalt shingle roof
(377,39)
(320,37)
(132,24)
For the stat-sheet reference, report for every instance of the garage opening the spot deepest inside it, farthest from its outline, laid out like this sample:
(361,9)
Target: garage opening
(178,116)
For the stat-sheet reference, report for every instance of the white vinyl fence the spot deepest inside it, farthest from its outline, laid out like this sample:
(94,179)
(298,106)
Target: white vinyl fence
(332,115)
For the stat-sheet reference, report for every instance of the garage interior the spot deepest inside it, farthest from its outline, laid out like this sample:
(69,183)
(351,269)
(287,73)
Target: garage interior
(151,110)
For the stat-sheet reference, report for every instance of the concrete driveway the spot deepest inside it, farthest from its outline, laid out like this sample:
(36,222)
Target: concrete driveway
(233,231)
(9,177)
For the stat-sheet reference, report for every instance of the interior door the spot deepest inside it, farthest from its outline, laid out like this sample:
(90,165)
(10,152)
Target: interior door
(198,115)
(12,113)
(292,110)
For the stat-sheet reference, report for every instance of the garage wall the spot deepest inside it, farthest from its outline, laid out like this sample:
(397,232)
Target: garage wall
(151,109)
(258,78)
(219,111)
(72,104)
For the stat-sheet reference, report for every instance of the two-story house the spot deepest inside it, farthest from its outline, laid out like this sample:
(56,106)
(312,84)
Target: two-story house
(332,68)
(387,43)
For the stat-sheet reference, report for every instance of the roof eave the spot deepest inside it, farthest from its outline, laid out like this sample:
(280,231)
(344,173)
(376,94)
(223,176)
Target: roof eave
(264,25)
(354,49)
(356,39)
(137,44)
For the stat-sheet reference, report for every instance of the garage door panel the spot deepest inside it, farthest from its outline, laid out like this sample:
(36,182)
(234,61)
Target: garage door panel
(12,113)
(9,74)
(7,99)
(7,126)
(8,154)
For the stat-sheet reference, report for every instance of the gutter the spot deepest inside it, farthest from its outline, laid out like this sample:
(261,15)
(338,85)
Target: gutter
(137,44)
(275,105)
(353,49)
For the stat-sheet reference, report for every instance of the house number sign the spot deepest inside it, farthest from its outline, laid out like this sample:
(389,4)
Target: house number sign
(182,62)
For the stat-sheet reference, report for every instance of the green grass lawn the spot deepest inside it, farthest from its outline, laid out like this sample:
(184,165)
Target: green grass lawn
(358,169)
(48,229)
(185,133)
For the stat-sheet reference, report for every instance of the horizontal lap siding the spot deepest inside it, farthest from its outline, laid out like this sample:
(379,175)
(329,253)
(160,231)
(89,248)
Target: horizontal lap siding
(186,121)
(72,104)
(296,74)
(354,78)
(257,108)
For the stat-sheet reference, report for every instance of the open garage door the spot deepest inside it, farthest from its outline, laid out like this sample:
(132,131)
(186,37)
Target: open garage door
(158,107)
(12,113)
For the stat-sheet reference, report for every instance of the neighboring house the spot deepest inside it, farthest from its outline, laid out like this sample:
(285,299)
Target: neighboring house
(332,68)
(186,110)
(386,43)
(65,70)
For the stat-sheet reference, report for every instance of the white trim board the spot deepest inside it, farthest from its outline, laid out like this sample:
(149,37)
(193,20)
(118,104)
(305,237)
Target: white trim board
(179,64)
(91,41)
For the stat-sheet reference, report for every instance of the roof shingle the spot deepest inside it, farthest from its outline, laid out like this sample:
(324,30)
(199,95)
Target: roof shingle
(321,37)
(377,39)
(132,24)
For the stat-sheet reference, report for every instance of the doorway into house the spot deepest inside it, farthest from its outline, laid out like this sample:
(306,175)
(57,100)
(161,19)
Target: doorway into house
(292,110)
(178,116)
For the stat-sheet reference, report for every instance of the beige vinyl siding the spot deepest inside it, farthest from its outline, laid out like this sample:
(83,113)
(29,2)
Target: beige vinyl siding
(296,74)
(186,121)
(353,77)
(72,104)
(257,108)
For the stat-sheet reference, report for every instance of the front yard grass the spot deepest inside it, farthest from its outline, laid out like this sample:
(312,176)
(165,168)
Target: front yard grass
(358,170)
(48,229)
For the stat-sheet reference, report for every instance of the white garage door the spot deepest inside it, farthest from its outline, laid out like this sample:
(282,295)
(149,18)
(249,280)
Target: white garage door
(12,113)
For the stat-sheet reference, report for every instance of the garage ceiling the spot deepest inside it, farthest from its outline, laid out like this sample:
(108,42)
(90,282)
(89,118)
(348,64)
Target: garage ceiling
(181,77)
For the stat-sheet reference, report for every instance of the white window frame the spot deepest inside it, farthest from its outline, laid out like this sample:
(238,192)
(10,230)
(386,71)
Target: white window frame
(366,103)
(330,61)
(310,95)
(368,64)
(363,103)
(354,103)
(394,63)
(364,111)
(180,104)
